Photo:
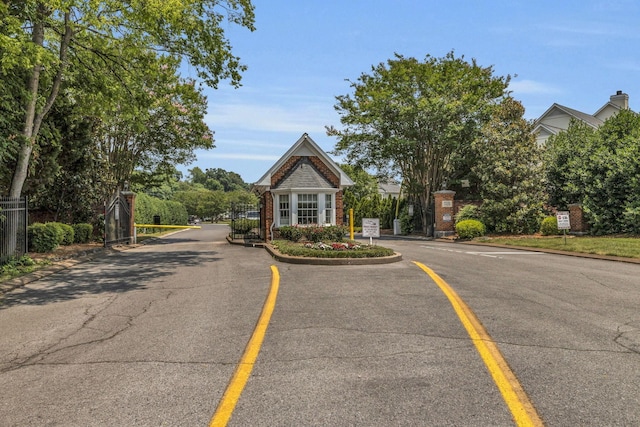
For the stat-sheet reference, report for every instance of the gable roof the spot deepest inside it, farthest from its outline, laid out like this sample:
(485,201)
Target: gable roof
(303,175)
(554,120)
(304,146)
(584,117)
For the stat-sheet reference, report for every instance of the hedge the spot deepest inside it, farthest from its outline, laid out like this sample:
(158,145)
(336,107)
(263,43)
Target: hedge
(170,212)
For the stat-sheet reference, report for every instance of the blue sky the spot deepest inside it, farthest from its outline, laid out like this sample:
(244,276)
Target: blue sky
(575,53)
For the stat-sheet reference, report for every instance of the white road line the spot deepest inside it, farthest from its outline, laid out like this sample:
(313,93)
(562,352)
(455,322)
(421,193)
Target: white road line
(497,254)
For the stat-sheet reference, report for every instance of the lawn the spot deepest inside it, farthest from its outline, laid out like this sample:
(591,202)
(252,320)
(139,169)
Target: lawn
(627,247)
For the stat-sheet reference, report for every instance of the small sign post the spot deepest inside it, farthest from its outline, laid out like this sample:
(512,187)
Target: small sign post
(564,223)
(371,228)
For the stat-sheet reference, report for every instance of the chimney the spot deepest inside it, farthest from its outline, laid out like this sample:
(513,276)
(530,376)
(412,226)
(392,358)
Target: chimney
(621,100)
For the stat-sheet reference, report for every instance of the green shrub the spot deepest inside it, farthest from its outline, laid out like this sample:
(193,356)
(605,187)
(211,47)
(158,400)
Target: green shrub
(335,233)
(468,212)
(66,233)
(43,237)
(314,233)
(16,266)
(549,226)
(82,232)
(290,233)
(406,221)
(470,228)
(243,226)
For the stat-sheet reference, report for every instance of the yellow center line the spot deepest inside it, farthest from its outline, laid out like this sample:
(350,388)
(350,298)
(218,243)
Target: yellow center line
(522,410)
(243,370)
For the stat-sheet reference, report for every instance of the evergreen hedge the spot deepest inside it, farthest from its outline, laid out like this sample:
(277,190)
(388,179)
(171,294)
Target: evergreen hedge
(170,212)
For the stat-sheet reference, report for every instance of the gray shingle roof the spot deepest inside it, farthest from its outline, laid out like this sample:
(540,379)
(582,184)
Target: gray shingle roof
(304,175)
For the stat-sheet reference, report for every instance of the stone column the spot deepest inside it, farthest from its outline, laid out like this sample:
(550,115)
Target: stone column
(445,224)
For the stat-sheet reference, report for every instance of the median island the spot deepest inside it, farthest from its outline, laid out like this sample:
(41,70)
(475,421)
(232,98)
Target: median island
(325,245)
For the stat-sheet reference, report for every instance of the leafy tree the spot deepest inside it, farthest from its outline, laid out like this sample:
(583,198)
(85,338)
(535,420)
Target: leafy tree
(365,186)
(612,193)
(414,119)
(566,157)
(203,203)
(67,182)
(508,166)
(157,131)
(51,40)
(601,170)
(242,197)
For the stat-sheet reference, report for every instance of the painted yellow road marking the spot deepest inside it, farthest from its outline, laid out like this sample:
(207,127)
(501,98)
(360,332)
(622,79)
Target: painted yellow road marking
(243,370)
(522,410)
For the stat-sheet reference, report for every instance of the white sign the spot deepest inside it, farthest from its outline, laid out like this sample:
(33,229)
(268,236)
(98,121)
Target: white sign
(447,203)
(563,220)
(370,227)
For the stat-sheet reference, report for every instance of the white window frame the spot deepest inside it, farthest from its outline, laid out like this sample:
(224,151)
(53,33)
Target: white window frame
(281,210)
(324,210)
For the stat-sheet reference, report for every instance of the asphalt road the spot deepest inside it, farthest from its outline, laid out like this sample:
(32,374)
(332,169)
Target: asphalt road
(153,335)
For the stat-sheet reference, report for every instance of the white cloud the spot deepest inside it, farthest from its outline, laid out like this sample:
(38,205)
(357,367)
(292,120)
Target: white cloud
(532,87)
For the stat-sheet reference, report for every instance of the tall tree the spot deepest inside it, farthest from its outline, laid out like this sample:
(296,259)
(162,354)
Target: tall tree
(413,118)
(508,166)
(50,38)
(152,123)
(566,157)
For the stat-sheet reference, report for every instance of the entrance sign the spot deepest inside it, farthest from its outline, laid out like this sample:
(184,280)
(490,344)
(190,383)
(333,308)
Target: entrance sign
(371,228)
(563,220)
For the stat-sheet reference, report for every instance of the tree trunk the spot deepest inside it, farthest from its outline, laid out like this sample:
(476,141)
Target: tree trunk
(32,119)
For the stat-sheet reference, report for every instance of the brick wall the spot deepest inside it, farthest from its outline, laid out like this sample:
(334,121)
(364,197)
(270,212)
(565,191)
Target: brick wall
(576,218)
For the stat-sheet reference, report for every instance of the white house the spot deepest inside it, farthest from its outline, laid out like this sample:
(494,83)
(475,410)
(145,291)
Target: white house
(389,190)
(557,117)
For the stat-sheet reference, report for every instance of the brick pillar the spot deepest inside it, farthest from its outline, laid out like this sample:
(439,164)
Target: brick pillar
(266,215)
(576,217)
(445,225)
(339,208)
(130,197)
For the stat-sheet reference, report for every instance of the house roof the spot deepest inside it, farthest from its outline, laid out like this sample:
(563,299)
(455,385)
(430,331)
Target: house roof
(389,188)
(607,105)
(304,176)
(587,118)
(305,146)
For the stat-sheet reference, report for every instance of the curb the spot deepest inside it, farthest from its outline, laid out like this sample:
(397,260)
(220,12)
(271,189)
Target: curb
(332,261)
(317,261)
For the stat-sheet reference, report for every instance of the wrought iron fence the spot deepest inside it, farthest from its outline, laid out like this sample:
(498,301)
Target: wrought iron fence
(245,221)
(14,219)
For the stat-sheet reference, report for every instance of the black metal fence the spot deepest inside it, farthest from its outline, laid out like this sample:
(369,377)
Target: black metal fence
(14,219)
(245,221)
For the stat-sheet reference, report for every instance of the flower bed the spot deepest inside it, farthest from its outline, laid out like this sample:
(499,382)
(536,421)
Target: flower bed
(331,250)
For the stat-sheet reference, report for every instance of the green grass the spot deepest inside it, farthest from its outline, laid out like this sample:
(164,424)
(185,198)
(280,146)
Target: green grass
(298,249)
(627,247)
(17,267)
